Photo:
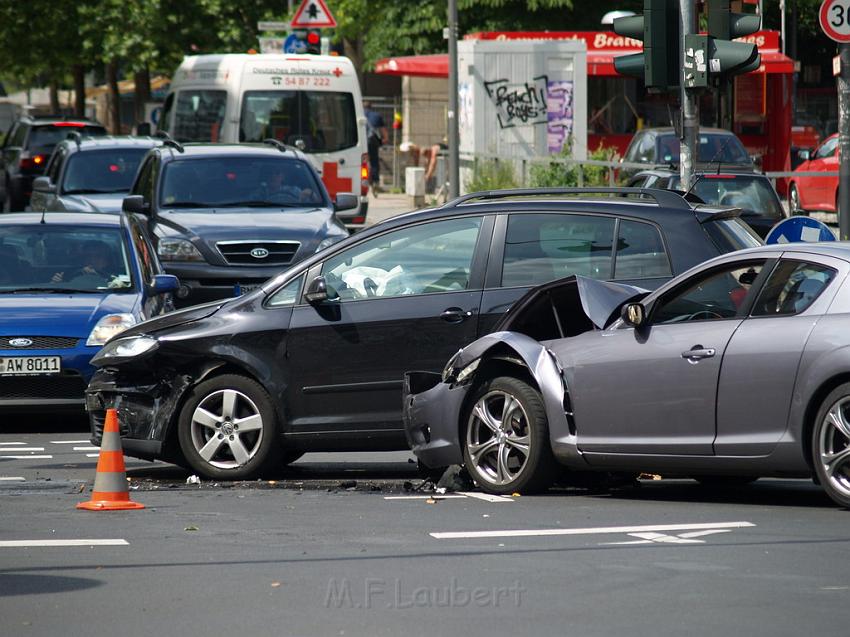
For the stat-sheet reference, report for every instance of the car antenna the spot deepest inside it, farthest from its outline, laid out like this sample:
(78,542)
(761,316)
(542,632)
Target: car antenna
(713,159)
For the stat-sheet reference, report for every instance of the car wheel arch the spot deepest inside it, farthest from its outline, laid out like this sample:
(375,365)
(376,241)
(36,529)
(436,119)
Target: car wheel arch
(813,405)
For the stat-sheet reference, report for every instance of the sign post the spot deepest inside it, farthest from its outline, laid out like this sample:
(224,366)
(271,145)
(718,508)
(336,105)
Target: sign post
(835,21)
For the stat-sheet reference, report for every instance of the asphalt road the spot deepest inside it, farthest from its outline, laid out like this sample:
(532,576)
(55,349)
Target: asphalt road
(310,553)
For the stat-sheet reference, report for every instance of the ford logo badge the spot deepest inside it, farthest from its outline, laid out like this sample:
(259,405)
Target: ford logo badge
(20,342)
(259,253)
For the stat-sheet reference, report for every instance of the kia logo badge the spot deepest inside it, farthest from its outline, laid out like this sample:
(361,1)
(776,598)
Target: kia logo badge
(259,253)
(20,342)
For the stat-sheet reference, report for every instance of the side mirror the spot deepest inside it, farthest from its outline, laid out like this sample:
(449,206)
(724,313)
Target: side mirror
(345,201)
(633,314)
(135,204)
(43,184)
(164,283)
(317,291)
(805,155)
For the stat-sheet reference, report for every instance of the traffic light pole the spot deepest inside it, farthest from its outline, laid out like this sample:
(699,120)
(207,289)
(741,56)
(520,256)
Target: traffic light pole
(844,143)
(690,104)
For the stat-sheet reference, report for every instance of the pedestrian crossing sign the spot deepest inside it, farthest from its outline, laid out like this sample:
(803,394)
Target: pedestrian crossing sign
(313,14)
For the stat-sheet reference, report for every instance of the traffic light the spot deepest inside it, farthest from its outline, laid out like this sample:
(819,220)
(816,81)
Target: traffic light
(727,57)
(659,65)
(314,41)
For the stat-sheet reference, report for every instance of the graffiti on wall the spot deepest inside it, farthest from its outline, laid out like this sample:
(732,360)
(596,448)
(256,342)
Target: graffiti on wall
(518,104)
(559,109)
(539,101)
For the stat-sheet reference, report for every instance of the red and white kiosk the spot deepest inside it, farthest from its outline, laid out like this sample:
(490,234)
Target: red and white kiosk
(619,105)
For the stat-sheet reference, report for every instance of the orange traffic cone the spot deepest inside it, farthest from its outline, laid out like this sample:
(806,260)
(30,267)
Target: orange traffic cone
(110,491)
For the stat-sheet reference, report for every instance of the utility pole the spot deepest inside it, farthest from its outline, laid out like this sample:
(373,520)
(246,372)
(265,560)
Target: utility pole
(454,136)
(690,104)
(844,142)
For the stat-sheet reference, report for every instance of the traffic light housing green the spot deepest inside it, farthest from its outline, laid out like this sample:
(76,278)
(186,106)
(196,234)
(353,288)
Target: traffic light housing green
(725,56)
(658,28)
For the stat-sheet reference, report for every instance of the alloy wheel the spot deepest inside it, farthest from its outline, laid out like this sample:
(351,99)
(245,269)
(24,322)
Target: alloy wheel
(833,447)
(227,429)
(497,437)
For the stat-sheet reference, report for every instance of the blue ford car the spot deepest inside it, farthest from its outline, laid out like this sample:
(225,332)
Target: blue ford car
(68,283)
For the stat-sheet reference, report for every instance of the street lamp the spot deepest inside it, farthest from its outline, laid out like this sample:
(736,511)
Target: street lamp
(609,17)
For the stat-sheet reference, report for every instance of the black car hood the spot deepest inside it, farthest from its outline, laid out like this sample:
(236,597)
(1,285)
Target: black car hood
(599,300)
(173,319)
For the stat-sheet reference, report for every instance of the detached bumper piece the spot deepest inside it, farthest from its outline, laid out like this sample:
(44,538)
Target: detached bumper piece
(431,429)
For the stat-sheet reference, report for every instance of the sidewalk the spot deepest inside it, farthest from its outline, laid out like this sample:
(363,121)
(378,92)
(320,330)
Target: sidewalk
(386,205)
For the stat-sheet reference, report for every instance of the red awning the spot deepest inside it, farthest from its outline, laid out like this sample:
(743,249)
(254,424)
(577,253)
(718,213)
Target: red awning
(415,65)
(599,64)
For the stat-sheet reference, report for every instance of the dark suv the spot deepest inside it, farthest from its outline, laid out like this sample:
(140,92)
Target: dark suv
(26,150)
(314,359)
(90,174)
(227,217)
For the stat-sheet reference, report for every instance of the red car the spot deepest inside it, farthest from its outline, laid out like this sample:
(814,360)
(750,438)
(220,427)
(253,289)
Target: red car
(816,193)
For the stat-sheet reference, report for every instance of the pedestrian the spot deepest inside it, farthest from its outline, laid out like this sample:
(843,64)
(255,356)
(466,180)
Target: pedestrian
(376,136)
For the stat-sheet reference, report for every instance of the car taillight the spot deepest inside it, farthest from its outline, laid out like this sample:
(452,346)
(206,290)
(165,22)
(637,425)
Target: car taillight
(70,124)
(364,174)
(358,220)
(36,161)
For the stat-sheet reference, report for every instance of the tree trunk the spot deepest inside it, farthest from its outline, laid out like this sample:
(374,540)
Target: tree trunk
(114,98)
(54,97)
(142,80)
(354,51)
(79,73)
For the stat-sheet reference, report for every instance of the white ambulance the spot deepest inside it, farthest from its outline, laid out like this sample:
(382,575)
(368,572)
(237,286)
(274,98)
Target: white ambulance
(311,102)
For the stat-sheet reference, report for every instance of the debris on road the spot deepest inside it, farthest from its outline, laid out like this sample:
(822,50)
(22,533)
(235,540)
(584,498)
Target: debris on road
(455,478)
(193,480)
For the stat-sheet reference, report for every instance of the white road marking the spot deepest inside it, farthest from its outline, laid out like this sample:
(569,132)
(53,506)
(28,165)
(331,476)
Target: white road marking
(92,455)
(681,538)
(86,448)
(457,535)
(20,449)
(11,479)
(27,543)
(70,442)
(33,457)
(15,443)
(423,497)
(487,497)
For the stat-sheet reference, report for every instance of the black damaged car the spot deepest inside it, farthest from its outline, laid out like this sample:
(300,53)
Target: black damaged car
(314,359)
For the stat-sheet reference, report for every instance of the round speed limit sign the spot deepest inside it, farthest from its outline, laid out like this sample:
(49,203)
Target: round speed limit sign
(835,19)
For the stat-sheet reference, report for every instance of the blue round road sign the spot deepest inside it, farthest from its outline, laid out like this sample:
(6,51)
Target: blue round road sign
(799,229)
(294,44)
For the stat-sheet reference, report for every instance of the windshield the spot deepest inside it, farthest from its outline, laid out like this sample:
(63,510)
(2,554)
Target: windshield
(240,182)
(325,121)
(750,193)
(48,258)
(99,171)
(199,115)
(48,136)
(724,149)
(731,234)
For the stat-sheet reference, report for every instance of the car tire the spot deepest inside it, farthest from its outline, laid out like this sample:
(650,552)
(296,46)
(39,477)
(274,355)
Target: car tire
(725,481)
(794,201)
(516,456)
(209,429)
(831,445)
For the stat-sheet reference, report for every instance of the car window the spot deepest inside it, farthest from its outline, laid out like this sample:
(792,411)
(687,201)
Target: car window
(725,149)
(64,257)
(640,252)
(632,150)
(145,254)
(639,182)
(54,166)
(45,137)
(721,294)
(17,137)
(324,120)
(165,115)
(645,150)
(287,295)
(144,182)
(199,115)
(752,194)
(544,247)
(792,287)
(272,180)
(730,234)
(102,171)
(424,259)
(827,149)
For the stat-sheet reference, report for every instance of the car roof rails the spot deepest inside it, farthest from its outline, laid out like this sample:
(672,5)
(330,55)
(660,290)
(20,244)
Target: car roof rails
(171,143)
(666,198)
(75,137)
(279,145)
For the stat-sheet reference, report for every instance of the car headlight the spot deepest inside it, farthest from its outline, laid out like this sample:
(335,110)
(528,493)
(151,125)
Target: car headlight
(327,243)
(171,249)
(108,326)
(449,368)
(123,348)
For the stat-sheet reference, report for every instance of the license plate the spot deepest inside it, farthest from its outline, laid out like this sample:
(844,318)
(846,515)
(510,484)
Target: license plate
(244,289)
(29,365)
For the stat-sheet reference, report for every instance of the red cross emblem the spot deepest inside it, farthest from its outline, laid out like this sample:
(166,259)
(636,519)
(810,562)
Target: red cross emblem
(337,71)
(333,182)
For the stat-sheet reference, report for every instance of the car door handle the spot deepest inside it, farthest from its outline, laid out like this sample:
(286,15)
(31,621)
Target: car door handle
(698,352)
(455,315)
